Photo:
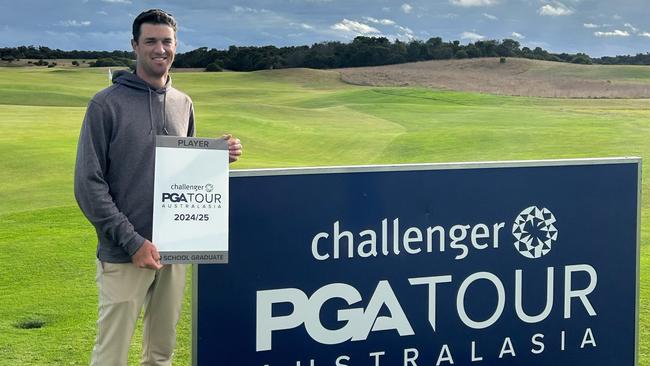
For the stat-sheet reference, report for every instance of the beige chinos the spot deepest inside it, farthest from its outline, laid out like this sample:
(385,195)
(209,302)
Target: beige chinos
(123,290)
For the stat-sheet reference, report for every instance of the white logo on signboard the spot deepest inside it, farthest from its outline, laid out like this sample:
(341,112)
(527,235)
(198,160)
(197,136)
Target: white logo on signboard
(534,231)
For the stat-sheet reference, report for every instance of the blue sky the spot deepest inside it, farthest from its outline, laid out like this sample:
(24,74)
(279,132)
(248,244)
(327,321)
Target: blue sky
(597,27)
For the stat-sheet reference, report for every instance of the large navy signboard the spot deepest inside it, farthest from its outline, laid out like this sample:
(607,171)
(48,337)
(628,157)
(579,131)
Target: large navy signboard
(520,263)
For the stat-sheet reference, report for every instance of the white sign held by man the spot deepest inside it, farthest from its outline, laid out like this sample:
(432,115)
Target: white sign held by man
(190,214)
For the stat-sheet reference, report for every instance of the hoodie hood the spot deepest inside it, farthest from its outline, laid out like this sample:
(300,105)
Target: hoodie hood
(131,80)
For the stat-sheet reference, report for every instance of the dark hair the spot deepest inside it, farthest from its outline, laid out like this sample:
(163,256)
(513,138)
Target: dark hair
(152,16)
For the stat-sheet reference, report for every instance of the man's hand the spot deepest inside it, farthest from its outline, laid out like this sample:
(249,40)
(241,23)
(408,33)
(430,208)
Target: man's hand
(234,147)
(147,256)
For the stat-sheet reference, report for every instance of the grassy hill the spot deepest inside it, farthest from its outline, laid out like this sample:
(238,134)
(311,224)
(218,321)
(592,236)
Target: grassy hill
(517,77)
(284,118)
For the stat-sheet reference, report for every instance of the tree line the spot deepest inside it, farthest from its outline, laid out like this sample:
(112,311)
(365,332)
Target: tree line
(362,51)
(43,52)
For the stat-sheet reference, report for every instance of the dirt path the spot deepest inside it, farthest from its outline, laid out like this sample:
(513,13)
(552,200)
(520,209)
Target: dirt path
(520,77)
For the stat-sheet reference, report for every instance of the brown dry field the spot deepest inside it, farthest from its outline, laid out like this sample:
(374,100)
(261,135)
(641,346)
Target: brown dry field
(517,77)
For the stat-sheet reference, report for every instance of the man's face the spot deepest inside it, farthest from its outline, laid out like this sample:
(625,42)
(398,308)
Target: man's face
(155,50)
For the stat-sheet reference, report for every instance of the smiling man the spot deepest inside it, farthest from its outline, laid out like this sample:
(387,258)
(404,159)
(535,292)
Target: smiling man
(114,176)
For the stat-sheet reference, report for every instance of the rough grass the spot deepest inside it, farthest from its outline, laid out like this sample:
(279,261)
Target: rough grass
(284,118)
(516,77)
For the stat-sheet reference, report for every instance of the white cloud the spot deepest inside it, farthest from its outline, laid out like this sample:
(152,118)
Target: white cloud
(186,29)
(241,9)
(558,10)
(404,29)
(645,34)
(631,27)
(184,47)
(617,17)
(590,25)
(406,8)
(405,37)
(615,33)
(302,25)
(354,27)
(74,23)
(517,35)
(469,3)
(471,36)
(403,32)
(490,16)
(101,12)
(117,1)
(380,21)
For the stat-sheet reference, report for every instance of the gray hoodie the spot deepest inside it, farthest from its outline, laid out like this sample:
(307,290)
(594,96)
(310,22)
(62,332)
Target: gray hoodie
(114,172)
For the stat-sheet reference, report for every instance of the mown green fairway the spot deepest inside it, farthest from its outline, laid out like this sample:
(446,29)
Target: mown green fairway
(284,118)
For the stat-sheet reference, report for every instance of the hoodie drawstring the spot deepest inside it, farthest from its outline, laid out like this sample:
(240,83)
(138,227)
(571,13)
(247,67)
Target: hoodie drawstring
(150,112)
(164,126)
(165,115)
(132,80)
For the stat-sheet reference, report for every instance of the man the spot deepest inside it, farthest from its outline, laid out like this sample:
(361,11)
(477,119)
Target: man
(114,176)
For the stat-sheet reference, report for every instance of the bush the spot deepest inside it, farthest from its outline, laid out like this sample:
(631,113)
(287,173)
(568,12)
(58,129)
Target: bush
(51,65)
(104,62)
(41,63)
(581,59)
(461,54)
(213,67)
(75,63)
(502,60)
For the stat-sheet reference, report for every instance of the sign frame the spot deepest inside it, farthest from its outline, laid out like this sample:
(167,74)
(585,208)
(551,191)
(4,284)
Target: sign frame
(181,210)
(443,166)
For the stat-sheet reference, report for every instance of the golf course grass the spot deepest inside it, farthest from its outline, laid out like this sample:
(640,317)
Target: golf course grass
(284,118)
